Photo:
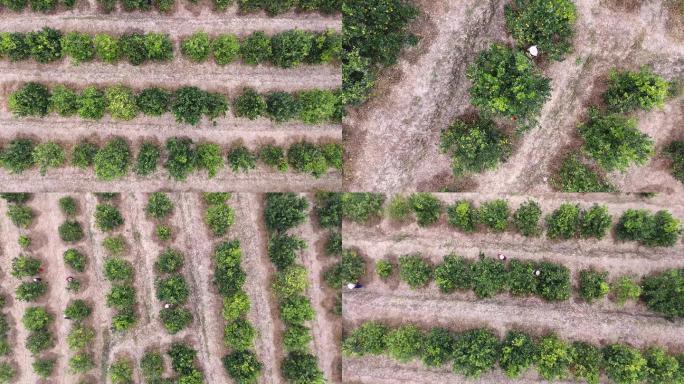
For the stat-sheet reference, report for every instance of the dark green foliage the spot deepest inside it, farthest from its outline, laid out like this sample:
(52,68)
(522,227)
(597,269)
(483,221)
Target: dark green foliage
(81,363)
(159,205)
(660,230)
(284,211)
(437,347)
(283,248)
(148,157)
(368,338)
(121,372)
(91,103)
(228,276)
(14,45)
(75,260)
(159,47)
(302,368)
(325,47)
(17,156)
(188,105)
(587,361)
(20,215)
(153,101)
(629,90)
(297,338)
(660,368)
(7,372)
(564,222)
(554,282)
(169,261)
(256,48)
(595,222)
(215,105)
(36,318)
(488,277)
(593,284)
(43,367)
(239,335)
(63,100)
(662,292)
(214,198)
(121,297)
(547,24)
(32,99)
(296,309)
(308,158)
(334,155)
(494,215)
(290,48)
(77,310)
(175,319)
(70,231)
(45,45)
(521,278)
(30,291)
(462,215)
(15,198)
(404,343)
(415,271)
(624,364)
(24,266)
(328,208)
(152,366)
(518,353)
(282,106)
(111,161)
(172,290)
(83,155)
(116,269)
(475,352)
(39,341)
(358,78)
(506,83)
(181,157)
(68,206)
(575,176)
(219,218)
(78,46)
(250,104)
(554,358)
(426,207)
(614,141)
(225,48)
(474,146)
(348,270)
(333,246)
(107,217)
(48,155)
(196,47)
(675,151)
(526,218)
(453,273)
(132,48)
(317,106)
(241,159)
(242,366)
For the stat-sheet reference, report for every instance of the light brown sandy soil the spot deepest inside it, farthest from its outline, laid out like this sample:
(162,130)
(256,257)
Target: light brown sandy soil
(399,132)
(326,327)
(249,228)
(14,308)
(260,179)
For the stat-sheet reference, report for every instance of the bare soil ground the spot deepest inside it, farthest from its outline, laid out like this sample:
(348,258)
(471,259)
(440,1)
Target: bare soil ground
(602,322)
(398,132)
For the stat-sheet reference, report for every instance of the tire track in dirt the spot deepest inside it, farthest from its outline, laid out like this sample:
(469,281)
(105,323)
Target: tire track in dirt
(577,323)
(208,302)
(250,229)
(15,308)
(383,370)
(182,23)
(325,336)
(229,80)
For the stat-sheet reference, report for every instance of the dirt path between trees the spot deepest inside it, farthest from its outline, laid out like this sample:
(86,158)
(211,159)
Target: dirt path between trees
(399,131)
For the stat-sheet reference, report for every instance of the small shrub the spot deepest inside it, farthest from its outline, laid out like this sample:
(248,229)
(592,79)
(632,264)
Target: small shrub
(181,158)
(107,217)
(488,277)
(629,90)
(121,297)
(474,146)
(494,215)
(77,310)
(132,48)
(159,205)
(43,367)
(241,159)
(219,218)
(438,347)
(111,162)
(317,106)
(675,151)
(114,245)
(554,282)
(121,372)
(48,155)
(17,157)
(68,206)
(297,338)
(575,176)
(624,364)
(209,158)
(197,47)
(256,48)
(349,270)
(39,341)
(116,269)
(369,338)
(172,290)
(399,208)
(554,358)
(14,45)
(36,318)
(462,215)
(153,101)
(651,230)
(453,273)
(333,247)
(121,103)
(159,47)
(214,198)
(30,291)
(414,271)
(83,155)
(526,218)
(384,269)
(291,281)
(188,105)
(20,215)
(239,334)
(92,103)
(404,343)
(595,222)
(563,222)
(32,99)
(624,288)
(45,45)
(660,368)
(296,309)
(593,285)
(148,157)
(587,361)
(282,106)
(81,363)
(175,319)
(250,104)
(662,292)
(274,157)
(284,211)
(518,353)
(163,232)
(307,158)
(614,141)
(225,49)
(290,48)
(426,207)
(24,241)
(169,261)
(107,48)
(75,260)
(242,366)
(71,231)
(152,366)
(63,100)
(235,306)
(475,352)
(283,249)
(80,337)
(25,266)
(78,46)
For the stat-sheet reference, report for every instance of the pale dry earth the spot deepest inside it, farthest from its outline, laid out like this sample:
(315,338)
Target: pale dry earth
(399,131)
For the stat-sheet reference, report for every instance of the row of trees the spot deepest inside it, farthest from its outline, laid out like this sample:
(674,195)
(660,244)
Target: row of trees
(328,212)
(282,212)
(180,157)
(488,277)
(272,7)
(478,351)
(7,365)
(117,270)
(612,140)
(675,151)
(568,221)
(43,6)
(187,104)
(286,49)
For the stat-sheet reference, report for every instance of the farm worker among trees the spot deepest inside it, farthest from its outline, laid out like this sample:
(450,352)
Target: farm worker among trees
(502,257)
(537,272)
(533,51)
(353,285)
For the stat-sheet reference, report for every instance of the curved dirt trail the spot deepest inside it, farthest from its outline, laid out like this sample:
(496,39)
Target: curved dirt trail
(399,132)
